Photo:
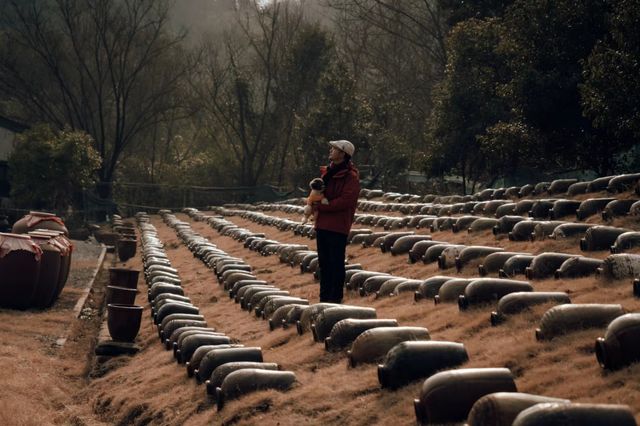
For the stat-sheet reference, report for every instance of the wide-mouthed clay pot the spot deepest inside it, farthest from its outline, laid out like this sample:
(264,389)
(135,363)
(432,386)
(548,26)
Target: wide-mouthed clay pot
(126,248)
(124,321)
(124,277)
(121,295)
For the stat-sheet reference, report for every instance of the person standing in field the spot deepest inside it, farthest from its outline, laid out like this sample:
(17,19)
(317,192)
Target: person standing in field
(342,188)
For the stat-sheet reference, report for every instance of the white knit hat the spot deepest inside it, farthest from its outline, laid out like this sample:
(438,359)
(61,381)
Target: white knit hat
(344,145)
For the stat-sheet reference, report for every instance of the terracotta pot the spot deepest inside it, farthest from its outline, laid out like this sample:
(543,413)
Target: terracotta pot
(19,270)
(126,248)
(39,220)
(124,277)
(49,276)
(124,321)
(121,295)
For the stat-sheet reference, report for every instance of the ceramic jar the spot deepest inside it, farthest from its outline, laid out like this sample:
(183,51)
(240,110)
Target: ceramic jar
(49,277)
(39,220)
(121,295)
(123,321)
(126,248)
(124,277)
(20,260)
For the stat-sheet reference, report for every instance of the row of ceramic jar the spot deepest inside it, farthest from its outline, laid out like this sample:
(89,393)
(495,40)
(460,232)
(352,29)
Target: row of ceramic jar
(127,242)
(228,370)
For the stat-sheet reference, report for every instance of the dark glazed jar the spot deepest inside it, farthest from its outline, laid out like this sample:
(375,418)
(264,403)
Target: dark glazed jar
(66,261)
(39,220)
(125,231)
(126,248)
(123,321)
(19,270)
(44,295)
(124,277)
(66,249)
(121,295)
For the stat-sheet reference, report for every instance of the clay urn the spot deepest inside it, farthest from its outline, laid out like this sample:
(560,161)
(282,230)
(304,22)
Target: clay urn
(123,321)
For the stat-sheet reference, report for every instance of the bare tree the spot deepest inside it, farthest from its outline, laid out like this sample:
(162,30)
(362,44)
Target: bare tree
(223,88)
(396,49)
(253,84)
(419,23)
(109,67)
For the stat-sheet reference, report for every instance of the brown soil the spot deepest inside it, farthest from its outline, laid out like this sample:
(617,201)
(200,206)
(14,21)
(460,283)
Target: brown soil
(46,385)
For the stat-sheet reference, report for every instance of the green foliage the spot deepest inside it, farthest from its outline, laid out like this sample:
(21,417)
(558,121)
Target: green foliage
(611,91)
(509,145)
(49,168)
(510,97)
(333,115)
(466,102)
(461,10)
(296,92)
(549,39)
(306,61)
(340,112)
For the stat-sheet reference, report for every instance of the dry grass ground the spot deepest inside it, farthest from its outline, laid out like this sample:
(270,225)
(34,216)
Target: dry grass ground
(41,382)
(68,387)
(331,393)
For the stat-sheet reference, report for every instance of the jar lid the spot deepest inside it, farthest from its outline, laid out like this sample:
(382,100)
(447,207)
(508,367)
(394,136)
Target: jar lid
(20,236)
(50,244)
(13,242)
(51,232)
(38,234)
(34,218)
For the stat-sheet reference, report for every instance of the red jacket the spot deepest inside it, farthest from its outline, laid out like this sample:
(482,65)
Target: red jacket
(342,192)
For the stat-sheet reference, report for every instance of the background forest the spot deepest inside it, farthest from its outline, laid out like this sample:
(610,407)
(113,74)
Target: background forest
(243,93)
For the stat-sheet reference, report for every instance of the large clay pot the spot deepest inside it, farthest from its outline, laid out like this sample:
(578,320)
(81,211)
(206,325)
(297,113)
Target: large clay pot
(65,265)
(221,372)
(411,360)
(19,270)
(551,414)
(619,347)
(124,321)
(126,248)
(49,271)
(124,277)
(447,397)
(39,220)
(248,380)
(121,295)
(66,250)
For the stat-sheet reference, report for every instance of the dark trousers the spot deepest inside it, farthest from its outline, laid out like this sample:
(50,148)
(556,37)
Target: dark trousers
(331,254)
